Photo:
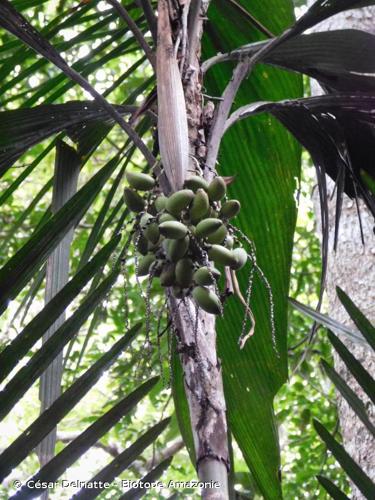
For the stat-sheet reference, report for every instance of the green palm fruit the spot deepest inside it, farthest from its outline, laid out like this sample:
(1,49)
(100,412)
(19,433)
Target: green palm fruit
(173,229)
(240,255)
(195,182)
(184,272)
(166,217)
(144,264)
(157,267)
(176,249)
(222,255)
(153,247)
(217,189)
(205,276)
(207,227)
(152,232)
(165,244)
(134,202)
(141,243)
(229,242)
(142,182)
(145,220)
(199,207)
(179,201)
(168,276)
(178,292)
(207,300)
(218,236)
(230,209)
(160,202)
(149,228)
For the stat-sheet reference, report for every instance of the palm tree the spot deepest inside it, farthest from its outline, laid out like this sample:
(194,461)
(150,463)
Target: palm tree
(225,373)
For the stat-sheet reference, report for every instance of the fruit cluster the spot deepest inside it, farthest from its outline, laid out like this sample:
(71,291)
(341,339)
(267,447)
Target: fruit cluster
(179,236)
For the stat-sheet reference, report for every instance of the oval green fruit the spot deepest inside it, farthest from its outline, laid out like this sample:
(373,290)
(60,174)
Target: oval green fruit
(141,243)
(157,267)
(176,249)
(199,207)
(207,300)
(144,264)
(230,209)
(145,220)
(229,242)
(166,217)
(195,182)
(206,276)
(140,181)
(218,236)
(173,229)
(240,255)
(217,189)
(184,272)
(222,255)
(134,201)
(152,232)
(168,276)
(207,227)
(179,201)
(160,202)
(153,247)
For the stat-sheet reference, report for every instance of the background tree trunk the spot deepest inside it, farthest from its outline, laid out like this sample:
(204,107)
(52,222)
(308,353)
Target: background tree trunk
(352,268)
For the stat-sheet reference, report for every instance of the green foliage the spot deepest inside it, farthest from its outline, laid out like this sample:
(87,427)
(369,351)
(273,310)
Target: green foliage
(245,153)
(364,379)
(107,324)
(98,45)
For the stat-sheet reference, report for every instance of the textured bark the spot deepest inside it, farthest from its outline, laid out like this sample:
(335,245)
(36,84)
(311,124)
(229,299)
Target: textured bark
(204,392)
(352,268)
(195,330)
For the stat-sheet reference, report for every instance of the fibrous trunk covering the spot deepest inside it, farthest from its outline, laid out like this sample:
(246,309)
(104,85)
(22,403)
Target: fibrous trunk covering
(181,133)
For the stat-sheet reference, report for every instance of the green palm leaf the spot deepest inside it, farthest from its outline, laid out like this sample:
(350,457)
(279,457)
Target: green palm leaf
(356,474)
(19,269)
(253,375)
(349,395)
(331,488)
(19,347)
(361,375)
(27,441)
(138,492)
(362,323)
(122,461)
(56,466)
(27,375)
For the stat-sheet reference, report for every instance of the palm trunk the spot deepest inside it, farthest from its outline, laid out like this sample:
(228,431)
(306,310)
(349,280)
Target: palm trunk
(204,391)
(181,133)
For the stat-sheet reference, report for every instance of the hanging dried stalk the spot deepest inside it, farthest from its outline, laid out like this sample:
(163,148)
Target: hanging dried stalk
(172,119)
